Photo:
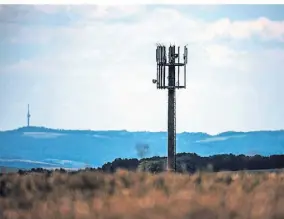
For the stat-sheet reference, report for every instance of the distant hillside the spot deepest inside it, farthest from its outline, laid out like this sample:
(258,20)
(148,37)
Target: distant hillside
(188,163)
(32,147)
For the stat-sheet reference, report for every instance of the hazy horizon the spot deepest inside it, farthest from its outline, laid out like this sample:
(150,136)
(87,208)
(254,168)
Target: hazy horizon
(163,131)
(91,67)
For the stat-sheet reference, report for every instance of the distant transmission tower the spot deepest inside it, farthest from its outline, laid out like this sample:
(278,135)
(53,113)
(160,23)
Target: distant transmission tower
(28,116)
(170,69)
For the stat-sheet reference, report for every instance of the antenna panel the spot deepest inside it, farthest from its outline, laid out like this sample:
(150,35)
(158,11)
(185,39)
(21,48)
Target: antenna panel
(185,55)
(163,54)
(170,54)
(157,55)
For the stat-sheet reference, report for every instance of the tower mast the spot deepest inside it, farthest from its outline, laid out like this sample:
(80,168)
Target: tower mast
(28,116)
(172,84)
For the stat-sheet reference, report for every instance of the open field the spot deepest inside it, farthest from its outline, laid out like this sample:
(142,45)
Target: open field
(86,195)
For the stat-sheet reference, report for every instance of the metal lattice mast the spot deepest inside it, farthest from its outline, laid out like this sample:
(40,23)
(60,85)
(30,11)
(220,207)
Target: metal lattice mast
(28,116)
(172,84)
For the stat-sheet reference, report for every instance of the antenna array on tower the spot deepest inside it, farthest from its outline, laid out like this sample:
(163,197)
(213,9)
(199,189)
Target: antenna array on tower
(165,62)
(169,77)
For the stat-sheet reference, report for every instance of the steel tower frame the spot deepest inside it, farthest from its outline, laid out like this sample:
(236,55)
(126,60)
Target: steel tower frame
(168,67)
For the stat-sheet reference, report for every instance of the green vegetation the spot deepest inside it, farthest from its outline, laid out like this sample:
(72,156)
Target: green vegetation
(185,163)
(191,163)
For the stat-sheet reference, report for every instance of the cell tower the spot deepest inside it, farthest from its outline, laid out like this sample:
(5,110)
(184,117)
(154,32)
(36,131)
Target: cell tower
(168,68)
(28,115)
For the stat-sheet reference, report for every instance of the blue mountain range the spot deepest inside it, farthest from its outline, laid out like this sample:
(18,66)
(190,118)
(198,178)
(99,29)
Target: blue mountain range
(32,147)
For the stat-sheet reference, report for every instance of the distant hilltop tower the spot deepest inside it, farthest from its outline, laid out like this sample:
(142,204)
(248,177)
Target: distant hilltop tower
(28,116)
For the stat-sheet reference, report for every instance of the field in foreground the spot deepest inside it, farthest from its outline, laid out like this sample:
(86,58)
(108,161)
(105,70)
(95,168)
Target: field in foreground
(86,195)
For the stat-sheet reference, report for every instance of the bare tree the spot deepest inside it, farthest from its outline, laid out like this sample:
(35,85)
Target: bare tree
(142,150)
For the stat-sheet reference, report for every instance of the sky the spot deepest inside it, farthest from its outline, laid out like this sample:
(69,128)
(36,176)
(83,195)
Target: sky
(91,67)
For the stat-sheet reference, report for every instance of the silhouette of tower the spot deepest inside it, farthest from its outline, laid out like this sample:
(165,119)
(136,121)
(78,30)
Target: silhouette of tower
(28,116)
(168,67)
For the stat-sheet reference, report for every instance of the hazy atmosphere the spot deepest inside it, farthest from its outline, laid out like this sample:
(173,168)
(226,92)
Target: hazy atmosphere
(85,133)
(91,67)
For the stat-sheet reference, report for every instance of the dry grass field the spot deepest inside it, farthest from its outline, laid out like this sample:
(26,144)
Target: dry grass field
(129,195)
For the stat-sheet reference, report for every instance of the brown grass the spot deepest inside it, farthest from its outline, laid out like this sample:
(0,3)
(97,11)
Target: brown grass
(127,195)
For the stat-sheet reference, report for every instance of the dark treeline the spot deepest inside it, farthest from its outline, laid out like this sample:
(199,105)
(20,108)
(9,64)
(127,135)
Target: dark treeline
(188,162)
(191,162)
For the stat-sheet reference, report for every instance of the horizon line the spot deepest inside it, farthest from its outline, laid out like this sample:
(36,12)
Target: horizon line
(125,130)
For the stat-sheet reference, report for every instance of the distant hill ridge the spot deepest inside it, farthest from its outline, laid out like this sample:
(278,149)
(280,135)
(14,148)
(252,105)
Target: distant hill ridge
(46,147)
(45,129)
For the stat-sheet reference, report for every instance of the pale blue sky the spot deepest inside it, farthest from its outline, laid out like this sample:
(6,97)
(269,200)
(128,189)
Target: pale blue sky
(91,67)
